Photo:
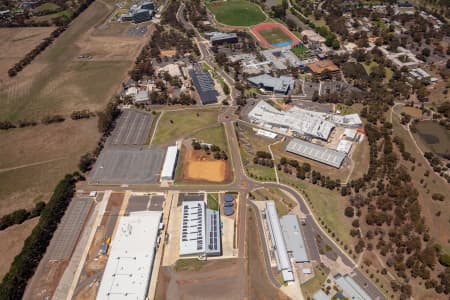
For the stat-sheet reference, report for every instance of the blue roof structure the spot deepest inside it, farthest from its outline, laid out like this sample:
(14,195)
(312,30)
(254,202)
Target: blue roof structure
(228,197)
(228,211)
(204,85)
(228,204)
(280,85)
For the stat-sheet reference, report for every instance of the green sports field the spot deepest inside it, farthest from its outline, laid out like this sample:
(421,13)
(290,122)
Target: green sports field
(237,12)
(274,35)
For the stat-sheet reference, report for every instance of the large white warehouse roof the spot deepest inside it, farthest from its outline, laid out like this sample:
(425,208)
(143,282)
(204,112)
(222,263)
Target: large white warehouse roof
(281,255)
(128,270)
(170,162)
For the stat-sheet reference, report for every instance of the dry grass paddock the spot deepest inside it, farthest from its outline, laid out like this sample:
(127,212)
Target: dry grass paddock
(16,42)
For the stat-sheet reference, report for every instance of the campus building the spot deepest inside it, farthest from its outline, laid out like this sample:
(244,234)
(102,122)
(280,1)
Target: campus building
(170,164)
(200,230)
(300,122)
(204,85)
(218,38)
(316,152)
(323,69)
(278,243)
(350,288)
(128,270)
(281,85)
(293,237)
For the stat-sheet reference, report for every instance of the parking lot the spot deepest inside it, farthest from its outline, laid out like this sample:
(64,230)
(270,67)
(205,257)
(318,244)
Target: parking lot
(137,30)
(121,165)
(132,128)
(66,236)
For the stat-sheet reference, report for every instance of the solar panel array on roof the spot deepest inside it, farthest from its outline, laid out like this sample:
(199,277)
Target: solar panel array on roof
(213,237)
(204,85)
(228,211)
(315,152)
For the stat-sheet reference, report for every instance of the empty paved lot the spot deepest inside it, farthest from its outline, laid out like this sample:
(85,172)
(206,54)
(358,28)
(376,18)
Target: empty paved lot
(127,166)
(132,128)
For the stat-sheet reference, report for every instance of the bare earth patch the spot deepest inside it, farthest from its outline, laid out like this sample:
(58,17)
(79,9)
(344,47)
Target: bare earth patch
(200,167)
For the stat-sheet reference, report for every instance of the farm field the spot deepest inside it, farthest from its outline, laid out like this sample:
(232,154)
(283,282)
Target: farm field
(81,83)
(176,124)
(16,42)
(34,159)
(237,12)
(274,35)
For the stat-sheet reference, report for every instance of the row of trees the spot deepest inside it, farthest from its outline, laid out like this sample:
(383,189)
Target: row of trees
(21,215)
(30,56)
(5,125)
(25,263)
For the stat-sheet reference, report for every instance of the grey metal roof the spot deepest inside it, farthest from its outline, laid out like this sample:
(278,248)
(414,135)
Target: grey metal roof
(213,235)
(282,84)
(219,36)
(320,295)
(351,288)
(293,237)
(277,237)
(315,152)
(204,85)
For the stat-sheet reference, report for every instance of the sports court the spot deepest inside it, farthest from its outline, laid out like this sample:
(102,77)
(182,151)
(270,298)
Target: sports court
(274,35)
(132,128)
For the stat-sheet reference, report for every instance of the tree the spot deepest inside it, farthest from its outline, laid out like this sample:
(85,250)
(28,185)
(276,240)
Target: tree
(86,162)
(349,212)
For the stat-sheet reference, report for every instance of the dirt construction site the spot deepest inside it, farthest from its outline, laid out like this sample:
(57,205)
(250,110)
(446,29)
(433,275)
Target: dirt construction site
(198,166)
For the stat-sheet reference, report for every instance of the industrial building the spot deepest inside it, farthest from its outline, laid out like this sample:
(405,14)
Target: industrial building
(128,270)
(204,85)
(139,12)
(350,288)
(200,230)
(293,237)
(301,122)
(281,85)
(170,164)
(279,246)
(317,153)
(218,38)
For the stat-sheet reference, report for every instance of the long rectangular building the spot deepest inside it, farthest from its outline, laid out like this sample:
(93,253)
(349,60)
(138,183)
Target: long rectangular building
(315,152)
(170,163)
(276,235)
(293,236)
(128,270)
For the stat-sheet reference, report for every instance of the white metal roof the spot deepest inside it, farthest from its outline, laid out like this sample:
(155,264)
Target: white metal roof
(344,146)
(350,133)
(277,237)
(315,152)
(128,270)
(170,162)
(193,227)
(351,288)
(302,121)
(266,133)
(293,237)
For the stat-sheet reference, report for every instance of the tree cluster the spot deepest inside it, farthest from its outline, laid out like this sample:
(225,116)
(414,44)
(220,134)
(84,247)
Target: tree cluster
(21,215)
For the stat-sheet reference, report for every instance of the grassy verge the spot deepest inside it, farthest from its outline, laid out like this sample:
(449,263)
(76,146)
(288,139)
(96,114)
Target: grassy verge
(213,201)
(153,127)
(283,203)
(176,124)
(314,284)
(212,135)
(189,264)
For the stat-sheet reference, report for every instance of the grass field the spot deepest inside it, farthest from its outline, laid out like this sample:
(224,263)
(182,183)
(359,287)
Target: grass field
(249,145)
(177,124)
(412,111)
(283,203)
(212,135)
(237,12)
(301,51)
(327,204)
(314,284)
(274,35)
(213,201)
